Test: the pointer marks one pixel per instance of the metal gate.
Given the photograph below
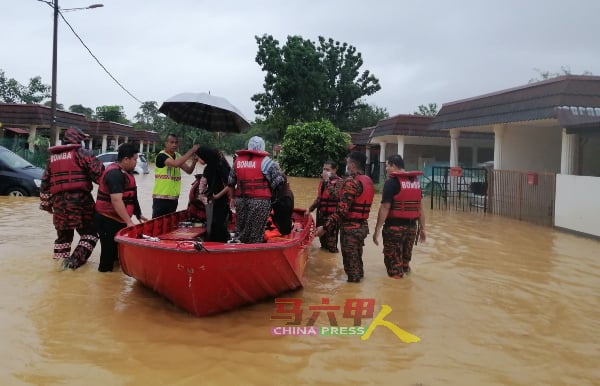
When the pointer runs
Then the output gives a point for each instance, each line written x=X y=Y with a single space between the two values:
x=457 y=188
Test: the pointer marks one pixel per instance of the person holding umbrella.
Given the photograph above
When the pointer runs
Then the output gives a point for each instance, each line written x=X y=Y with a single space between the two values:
x=167 y=174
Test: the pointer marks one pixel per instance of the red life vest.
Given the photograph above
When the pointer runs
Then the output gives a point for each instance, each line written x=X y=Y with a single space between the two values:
x=103 y=203
x=66 y=174
x=406 y=204
x=196 y=208
x=250 y=180
x=327 y=203
x=361 y=206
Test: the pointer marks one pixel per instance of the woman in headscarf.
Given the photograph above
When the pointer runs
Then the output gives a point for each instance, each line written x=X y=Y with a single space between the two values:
x=254 y=177
x=216 y=172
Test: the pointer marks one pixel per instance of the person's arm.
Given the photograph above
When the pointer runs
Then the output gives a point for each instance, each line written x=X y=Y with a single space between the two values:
x=181 y=162
x=384 y=210
x=116 y=199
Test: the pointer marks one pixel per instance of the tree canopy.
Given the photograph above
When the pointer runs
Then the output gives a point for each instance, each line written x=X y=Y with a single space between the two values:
x=12 y=91
x=430 y=110
x=307 y=81
x=308 y=145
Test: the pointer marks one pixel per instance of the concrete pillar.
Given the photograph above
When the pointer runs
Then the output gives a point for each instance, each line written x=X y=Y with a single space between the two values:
x=141 y=146
x=382 y=157
x=104 y=143
x=569 y=153
x=400 y=139
x=91 y=143
x=368 y=170
x=498 y=140
x=125 y=139
x=474 y=160
x=31 y=139
x=454 y=135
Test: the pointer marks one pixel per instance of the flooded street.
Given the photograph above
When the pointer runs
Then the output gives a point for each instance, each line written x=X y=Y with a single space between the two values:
x=494 y=302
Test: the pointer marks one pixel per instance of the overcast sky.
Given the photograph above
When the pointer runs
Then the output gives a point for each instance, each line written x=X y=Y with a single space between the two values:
x=421 y=51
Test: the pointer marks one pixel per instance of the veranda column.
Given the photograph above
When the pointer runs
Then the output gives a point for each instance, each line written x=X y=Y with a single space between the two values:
x=368 y=170
x=91 y=143
x=568 y=155
x=116 y=143
x=31 y=139
x=141 y=146
x=454 y=135
x=498 y=140
x=104 y=143
x=400 y=140
x=382 y=157
x=474 y=160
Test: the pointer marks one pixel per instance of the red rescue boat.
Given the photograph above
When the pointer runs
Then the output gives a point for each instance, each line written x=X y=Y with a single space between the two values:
x=168 y=255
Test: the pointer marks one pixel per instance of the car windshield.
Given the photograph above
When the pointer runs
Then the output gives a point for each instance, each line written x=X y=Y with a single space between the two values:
x=108 y=157
x=11 y=159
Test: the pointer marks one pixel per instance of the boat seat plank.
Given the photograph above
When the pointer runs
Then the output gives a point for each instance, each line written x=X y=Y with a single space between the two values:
x=188 y=233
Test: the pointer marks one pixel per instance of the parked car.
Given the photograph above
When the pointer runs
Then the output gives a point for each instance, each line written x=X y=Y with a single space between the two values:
x=18 y=177
x=140 y=168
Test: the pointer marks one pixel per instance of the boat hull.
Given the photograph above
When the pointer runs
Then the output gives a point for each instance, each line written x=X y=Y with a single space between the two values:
x=206 y=278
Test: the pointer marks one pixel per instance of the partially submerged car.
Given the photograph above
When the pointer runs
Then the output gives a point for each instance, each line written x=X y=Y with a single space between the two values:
x=18 y=177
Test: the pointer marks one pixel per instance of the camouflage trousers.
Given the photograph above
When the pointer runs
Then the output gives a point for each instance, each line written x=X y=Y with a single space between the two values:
x=398 y=242
x=87 y=242
x=352 y=240
x=329 y=240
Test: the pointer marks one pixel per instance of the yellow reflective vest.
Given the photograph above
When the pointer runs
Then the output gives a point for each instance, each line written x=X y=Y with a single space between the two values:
x=167 y=181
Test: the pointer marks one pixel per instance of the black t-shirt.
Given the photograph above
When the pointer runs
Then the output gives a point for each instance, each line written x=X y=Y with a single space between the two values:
x=391 y=187
x=116 y=181
x=161 y=158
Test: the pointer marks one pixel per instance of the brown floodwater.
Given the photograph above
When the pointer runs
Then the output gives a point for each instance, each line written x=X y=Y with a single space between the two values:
x=493 y=301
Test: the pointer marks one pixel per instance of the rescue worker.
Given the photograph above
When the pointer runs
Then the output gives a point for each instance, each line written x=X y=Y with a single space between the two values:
x=116 y=202
x=65 y=192
x=401 y=216
x=167 y=176
x=253 y=178
x=326 y=204
x=356 y=196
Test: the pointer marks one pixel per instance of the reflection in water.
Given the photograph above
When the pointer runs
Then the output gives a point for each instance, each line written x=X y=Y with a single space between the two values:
x=494 y=301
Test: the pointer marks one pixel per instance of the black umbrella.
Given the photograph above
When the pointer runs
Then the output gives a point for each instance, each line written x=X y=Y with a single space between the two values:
x=204 y=111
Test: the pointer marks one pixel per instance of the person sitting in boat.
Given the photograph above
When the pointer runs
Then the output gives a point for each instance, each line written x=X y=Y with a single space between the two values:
x=218 y=213
x=197 y=200
x=252 y=181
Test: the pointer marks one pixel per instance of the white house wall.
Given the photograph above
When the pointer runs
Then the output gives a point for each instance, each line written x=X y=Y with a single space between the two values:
x=576 y=206
x=531 y=149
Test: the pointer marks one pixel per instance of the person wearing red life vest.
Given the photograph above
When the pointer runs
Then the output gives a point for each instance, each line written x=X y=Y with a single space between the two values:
x=116 y=202
x=328 y=195
x=401 y=217
x=66 y=192
x=197 y=199
x=252 y=179
x=351 y=215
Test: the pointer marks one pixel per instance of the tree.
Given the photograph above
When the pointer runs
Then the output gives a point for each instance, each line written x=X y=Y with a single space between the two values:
x=430 y=110
x=80 y=109
x=112 y=114
x=363 y=116
x=307 y=146
x=543 y=75
x=59 y=106
x=148 y=114
x=307 y=82
x=12 y=91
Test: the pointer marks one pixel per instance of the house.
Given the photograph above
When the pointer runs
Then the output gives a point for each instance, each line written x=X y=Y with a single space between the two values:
x=33 y=120
x=548 y=133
